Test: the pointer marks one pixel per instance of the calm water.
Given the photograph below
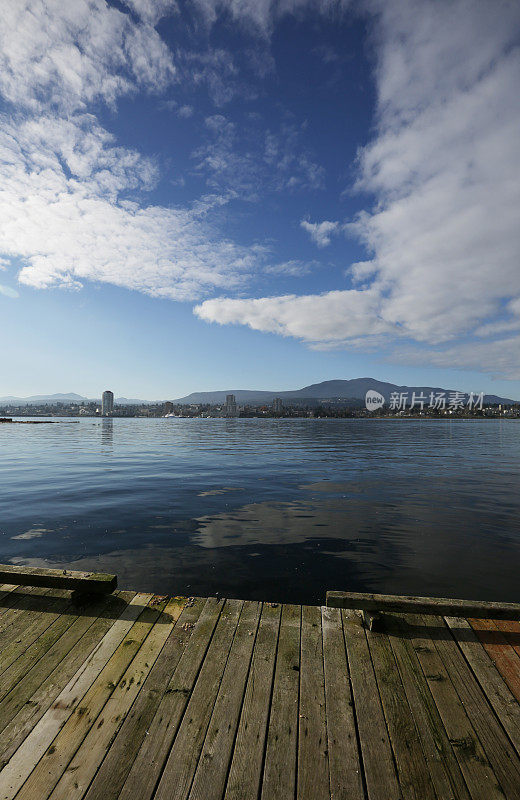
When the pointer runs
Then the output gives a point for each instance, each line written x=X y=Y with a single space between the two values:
x=268 y=509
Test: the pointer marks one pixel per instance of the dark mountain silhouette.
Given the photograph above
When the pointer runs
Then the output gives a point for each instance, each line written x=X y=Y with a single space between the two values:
x=337 y=390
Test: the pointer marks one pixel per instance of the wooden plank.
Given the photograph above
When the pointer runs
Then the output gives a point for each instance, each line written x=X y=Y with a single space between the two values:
x=81 y=769
x=496 y=690
x=147 y=767
x=279 y=779
x=313 y=762
x=245 y=773
x=22 y=709
x=31 y=638
x=6 y=590
x=28 y=604
x=412 y=768
x=499 y=751
x=346 y=782
x=114 y=770
x=22 y=660
x=474 y=764
x=30 y=670
x=210 y=776
x=443 y=765
x=61 y=749
x=511 y=632
x=378 y=763
x=58 y=578
x=182 y=761
x=441 y=606
x=36 y=743
x=501 y=651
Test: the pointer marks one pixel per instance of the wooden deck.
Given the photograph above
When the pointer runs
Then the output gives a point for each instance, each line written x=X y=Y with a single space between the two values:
x=136 y=696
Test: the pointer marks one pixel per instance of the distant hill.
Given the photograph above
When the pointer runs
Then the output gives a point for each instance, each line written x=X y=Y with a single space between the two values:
x=70 y=397
x=338 y=390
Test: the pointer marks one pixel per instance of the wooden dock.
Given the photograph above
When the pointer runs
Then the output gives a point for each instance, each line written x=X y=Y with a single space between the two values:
x=135 y=696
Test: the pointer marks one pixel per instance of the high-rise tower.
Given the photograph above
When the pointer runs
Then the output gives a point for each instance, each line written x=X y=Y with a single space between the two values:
x=107 y=403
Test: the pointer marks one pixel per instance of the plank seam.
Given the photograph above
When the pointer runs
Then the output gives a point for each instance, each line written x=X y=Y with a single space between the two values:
x=112 y=740
x=354 y=711
x=264 y=749
x=475 y=674
x=183 y=713
x=242 y=700
x=470 y=723
x=210 y=716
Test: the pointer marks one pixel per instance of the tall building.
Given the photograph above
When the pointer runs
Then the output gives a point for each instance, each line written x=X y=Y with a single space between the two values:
x=277 y=405
x=231 y=405
x=107 y=403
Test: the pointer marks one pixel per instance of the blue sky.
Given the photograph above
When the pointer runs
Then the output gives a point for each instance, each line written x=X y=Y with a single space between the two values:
x=245 y=194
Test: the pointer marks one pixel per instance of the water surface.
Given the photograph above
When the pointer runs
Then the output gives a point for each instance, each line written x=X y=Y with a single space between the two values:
x=269 y=509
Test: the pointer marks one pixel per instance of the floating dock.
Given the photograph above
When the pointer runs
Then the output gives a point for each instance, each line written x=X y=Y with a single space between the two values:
x=137 y=696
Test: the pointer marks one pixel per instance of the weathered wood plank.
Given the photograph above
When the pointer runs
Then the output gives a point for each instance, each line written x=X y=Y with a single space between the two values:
x=210 y=776
x=412 y=768
x=147 y=767
x=21 y=710
x=313 y=762
x=378 y=763
x=114 y=770
x=501 y=651
x=474 y=764
x=279 y=779
x=444 y=768
x=22 y=660
x=346 y=782
x=5 y=591
x=441 y=606
x=58 y=754
x=496 y=690
x=499 y=751
x=29 y=604
x=36 y=743
x=245 y=773
x=182 y=761
x=30 y=639
x=511 y=632
x=58 y=578
x=82 y=767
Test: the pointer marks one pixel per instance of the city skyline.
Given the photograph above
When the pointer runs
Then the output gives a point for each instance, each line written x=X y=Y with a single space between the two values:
x=240 y=194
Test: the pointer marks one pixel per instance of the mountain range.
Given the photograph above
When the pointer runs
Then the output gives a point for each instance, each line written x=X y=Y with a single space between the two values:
x=337 y=390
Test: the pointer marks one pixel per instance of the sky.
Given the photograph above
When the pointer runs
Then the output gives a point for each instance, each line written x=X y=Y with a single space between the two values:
x=222 y=194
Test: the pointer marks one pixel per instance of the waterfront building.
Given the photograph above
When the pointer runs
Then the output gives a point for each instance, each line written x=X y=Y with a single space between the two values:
x=231 y=405
x=107 y=403
x=277 y=405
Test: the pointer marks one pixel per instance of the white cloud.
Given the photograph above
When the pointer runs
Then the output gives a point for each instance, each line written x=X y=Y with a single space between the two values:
x=320 y=232
x=231 y=163
x=443 y=235
x=8 y=291
x=294 y=268
x=73 y=203
x=152 y=11
x=500 y=358
x=69 y=54
x=67 y=211
x=185 y=112
x=325 y=317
